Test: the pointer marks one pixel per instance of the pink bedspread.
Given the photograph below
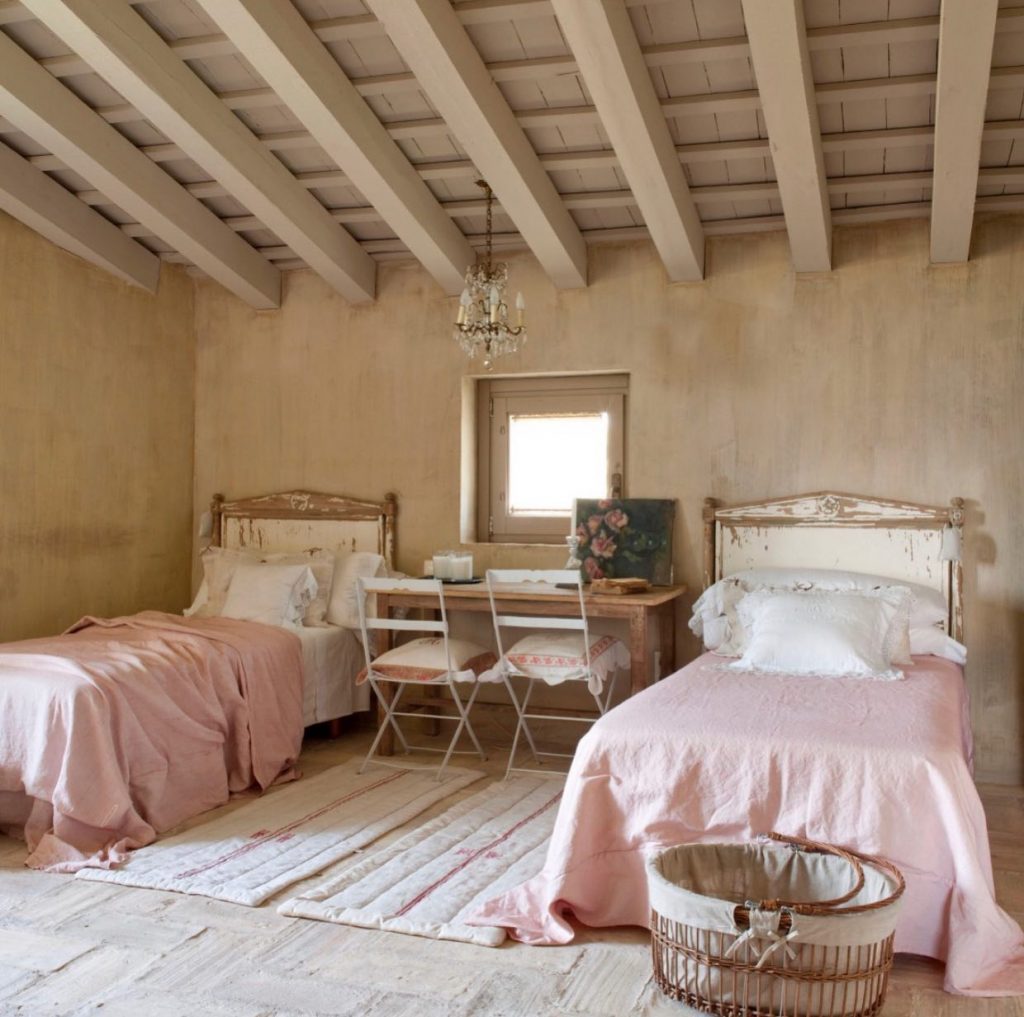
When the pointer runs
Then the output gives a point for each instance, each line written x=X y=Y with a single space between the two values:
x=710 y=755
x=123 y=728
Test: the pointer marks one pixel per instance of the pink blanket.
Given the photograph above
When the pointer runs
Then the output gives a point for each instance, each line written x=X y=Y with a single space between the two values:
x=123 y=728
x=710 y=755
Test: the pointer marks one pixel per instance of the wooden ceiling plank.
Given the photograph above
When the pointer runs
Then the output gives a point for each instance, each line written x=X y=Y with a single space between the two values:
x=133 y=58
x=276 y=38
x=437 y=49
x=31 y=197
x=966 y=37
x=600 y=35
x=782 y=64
x=59 y=120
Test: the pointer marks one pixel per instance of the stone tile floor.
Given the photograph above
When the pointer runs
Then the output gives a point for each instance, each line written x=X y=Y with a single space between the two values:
x=70 y=947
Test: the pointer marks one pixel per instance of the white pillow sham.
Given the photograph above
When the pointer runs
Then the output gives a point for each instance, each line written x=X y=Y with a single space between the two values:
x=220 y=563
x=824 y=632
x=271 y=594
x=720 y=601
x=343 y=608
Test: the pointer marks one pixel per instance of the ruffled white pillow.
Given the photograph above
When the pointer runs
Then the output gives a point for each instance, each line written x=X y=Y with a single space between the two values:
x=837 y=634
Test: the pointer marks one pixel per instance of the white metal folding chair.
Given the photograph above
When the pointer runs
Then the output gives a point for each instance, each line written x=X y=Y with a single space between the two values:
x=447 y=678
x=512 y=665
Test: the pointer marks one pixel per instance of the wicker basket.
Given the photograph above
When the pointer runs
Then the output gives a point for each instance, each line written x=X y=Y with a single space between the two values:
x=771 y=929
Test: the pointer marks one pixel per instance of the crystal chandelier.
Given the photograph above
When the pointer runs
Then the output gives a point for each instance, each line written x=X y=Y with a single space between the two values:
x=482 y=327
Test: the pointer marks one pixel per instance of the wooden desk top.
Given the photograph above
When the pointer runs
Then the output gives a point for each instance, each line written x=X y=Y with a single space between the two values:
x=655 y=597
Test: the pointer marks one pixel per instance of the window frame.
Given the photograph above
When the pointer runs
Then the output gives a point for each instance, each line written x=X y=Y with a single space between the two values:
x=497 y=399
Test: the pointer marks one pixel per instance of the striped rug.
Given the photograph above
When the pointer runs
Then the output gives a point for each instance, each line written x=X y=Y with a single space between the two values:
x=427 y=883
x=287 y=835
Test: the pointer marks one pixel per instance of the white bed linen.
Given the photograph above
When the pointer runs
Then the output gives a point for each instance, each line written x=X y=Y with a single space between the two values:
x=331 y=659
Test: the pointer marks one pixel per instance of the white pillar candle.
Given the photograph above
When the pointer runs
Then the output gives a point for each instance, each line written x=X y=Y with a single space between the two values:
x=462 y=566
x=443 y=565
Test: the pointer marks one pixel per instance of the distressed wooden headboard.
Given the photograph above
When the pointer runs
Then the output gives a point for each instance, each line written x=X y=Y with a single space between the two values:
x=297 y=520
x=831 y=530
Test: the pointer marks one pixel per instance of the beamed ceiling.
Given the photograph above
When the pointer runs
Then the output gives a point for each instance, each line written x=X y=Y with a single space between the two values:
x=247 y=137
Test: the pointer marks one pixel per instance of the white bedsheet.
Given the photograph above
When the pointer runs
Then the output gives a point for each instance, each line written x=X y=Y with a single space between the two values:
x=331 y=659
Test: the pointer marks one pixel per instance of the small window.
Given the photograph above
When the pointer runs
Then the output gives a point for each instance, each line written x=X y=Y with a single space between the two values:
x=543 y=443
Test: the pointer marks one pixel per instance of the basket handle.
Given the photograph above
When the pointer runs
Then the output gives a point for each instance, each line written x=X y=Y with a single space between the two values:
x=819 y=906
x=855 y=858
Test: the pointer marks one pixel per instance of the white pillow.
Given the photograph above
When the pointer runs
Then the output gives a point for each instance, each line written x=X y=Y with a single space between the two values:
x=202 y=595
x=321 y=564
x=271 y=594
x=819 y=632
x=424 y=660
x=934 y=641
x=343 y=608
x=219 y=564
x=927 y=608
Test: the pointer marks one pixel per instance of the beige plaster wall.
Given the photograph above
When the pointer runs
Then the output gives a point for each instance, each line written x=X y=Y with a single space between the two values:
x=96 y=418
x=886 y=377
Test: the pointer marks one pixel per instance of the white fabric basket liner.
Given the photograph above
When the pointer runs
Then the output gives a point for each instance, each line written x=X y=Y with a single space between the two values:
x=701 y=885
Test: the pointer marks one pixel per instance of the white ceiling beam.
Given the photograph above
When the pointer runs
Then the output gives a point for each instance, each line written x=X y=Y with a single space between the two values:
x=782 y=67
x=600 y=35
x=363 y=26
x=130 y=55
x=966 y=37
x=434 y=44
x=44 y=206
x=55 y=117
x=276 y=39
x=704 y=104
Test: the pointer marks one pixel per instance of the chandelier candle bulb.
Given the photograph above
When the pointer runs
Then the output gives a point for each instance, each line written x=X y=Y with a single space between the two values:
x=520 y=307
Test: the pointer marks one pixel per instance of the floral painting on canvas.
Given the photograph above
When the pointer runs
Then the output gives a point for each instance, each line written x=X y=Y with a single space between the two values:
x=625 y=538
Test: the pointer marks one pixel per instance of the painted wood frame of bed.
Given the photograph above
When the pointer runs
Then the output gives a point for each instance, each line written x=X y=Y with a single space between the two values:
x=831 y=530
x=297 y=520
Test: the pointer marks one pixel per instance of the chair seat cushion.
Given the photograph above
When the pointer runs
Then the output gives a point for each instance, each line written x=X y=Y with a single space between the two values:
x=556 y=657
x=424 y=660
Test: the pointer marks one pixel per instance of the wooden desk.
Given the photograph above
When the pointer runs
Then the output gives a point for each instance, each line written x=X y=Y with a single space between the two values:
x=637 y=608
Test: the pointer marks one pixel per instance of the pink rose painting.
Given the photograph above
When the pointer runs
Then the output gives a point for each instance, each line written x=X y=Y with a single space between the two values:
x=616 y=519
x=626 y=538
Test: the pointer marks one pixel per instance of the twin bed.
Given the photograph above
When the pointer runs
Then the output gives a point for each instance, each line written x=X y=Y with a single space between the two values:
x=122 y=728
x=713 y=753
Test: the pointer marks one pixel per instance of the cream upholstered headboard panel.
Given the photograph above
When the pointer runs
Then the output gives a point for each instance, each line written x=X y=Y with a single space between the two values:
x=297 y=520
x=829 y=530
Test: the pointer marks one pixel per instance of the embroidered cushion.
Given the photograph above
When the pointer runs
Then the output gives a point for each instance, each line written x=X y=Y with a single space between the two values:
x=556 y=657
x=424 y=660
x=853 y=633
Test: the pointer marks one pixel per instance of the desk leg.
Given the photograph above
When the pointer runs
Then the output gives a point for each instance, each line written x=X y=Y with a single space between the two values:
x=383 y=644
x=638 y=650
x=667 y=638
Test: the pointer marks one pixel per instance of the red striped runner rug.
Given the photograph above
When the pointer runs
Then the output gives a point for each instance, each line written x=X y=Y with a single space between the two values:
x=290 y=833
x=427 y=883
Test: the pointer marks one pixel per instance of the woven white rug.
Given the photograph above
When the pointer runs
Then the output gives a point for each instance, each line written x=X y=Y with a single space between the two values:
x=253 y=852
x=426 y=883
